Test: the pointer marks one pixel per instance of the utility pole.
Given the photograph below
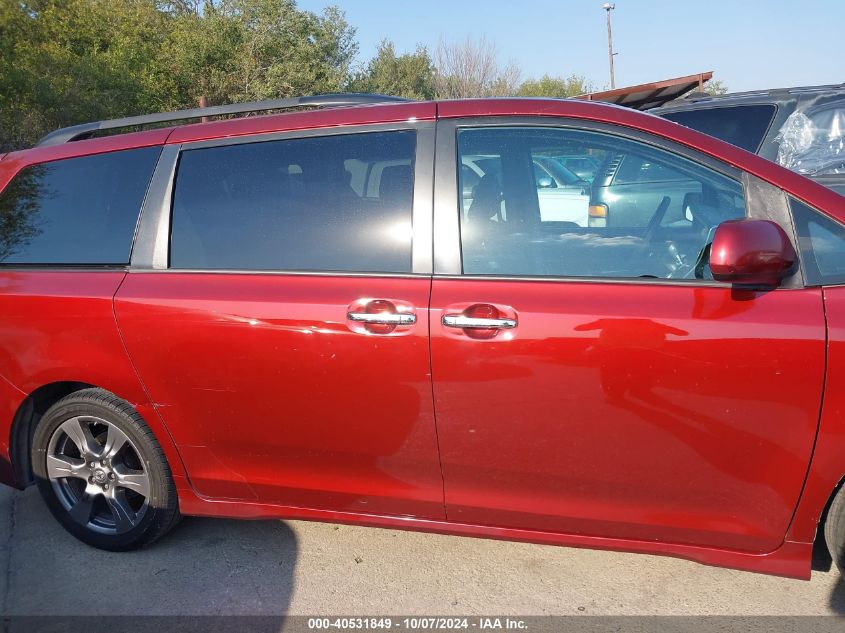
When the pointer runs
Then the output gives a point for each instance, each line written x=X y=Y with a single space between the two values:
x=608 y=7
x=203 y=103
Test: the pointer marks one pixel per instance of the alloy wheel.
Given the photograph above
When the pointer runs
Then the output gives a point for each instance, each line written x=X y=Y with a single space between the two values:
x=97 y=475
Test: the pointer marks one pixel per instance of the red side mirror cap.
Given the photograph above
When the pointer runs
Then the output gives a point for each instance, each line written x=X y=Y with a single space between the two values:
x=749 y=251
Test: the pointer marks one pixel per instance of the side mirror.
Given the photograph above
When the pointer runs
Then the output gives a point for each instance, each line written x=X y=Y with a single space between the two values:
x=754 y=252
x=544 y=182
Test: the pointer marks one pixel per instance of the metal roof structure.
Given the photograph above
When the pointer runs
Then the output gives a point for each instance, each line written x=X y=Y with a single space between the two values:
x=651 y=95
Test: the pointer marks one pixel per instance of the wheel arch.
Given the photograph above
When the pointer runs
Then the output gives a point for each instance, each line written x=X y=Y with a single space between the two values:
x=26 y=418
x=825 y=478
x=40 y=399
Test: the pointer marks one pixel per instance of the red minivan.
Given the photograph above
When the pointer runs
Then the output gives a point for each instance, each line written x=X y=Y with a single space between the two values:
x=371 y=311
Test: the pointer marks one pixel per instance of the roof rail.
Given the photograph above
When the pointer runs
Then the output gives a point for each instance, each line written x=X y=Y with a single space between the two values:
x=86 y=130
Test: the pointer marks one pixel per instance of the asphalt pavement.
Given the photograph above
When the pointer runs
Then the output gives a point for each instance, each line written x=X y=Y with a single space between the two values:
x=273 y=568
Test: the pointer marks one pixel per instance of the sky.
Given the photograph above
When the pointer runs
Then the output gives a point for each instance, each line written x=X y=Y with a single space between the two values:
x=748 y=44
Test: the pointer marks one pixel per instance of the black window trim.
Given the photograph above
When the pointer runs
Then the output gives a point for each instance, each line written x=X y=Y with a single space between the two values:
x=765 y=201
x=151 y=253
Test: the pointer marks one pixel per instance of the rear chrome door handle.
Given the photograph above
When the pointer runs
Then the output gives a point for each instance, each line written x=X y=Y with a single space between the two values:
x=382 y=318
x=479 y=323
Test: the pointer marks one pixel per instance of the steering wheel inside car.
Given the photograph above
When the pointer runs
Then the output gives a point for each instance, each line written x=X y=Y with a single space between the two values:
x=650 y=233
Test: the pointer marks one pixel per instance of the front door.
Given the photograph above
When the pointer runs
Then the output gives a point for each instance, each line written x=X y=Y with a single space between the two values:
x=286 y=343
x=596 y=380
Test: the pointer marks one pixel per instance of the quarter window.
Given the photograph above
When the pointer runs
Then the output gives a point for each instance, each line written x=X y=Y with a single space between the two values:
x=647 y=213
x=822 y=243
x=327 y=203
x=743 y=126
x=77 y=211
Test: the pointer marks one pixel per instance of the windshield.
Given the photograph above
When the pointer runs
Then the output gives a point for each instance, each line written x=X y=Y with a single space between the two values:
x=561 y=174
x=743 y=126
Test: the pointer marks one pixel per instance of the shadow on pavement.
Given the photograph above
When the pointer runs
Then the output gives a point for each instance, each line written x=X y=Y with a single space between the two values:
x=837 y=597
x=203 y=567
x=822 y=561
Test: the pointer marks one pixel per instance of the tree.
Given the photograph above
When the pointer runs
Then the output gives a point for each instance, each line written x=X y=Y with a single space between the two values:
x=67 y=61
x=409 y=75
x=180 y=6
x=715 y=87
x=471 y=68
x=246 y=50
x=548 y=86
x=64 y=62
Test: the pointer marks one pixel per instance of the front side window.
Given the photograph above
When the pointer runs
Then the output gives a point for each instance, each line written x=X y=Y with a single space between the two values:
x=76 y=211
x=648 y=213
x=326 y=203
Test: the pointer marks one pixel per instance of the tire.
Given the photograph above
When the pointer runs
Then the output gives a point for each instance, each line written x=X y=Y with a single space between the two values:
x=102 y=473
x=834 y=530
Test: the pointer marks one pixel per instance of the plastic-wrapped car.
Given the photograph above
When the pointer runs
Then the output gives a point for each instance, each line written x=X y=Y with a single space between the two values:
x=802 y=129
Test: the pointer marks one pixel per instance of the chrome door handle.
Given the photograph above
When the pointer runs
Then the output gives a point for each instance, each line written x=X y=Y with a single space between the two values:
x=382 y=318
x=477 y=323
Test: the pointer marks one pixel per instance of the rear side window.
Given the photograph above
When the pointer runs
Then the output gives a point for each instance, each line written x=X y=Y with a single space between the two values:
x=822 y=242
x=328 y=203
x=743 y=126
x=77 y=211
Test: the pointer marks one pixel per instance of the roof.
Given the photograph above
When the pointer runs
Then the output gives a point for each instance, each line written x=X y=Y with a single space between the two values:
x=651 y=95
x=288 y=121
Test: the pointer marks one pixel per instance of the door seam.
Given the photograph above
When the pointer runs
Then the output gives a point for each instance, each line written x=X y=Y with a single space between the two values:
x=818 y=422
x=434 y=402
x=141 y=380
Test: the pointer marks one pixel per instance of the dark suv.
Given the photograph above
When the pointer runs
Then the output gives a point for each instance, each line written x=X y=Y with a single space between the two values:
x=802 y=129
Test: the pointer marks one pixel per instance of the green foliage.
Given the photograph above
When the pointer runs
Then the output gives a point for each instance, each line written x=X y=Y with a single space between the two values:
x=409 y=75
x=64 y=62
x=67 y=61
x=548 y=86
x=246 y=50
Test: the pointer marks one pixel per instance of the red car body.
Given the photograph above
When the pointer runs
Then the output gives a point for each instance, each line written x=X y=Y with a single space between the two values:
x=725 y=449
